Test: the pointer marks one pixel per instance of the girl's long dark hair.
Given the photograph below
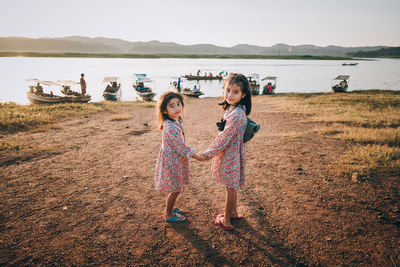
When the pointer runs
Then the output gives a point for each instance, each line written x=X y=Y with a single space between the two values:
x=162 y=106
x=243 y=83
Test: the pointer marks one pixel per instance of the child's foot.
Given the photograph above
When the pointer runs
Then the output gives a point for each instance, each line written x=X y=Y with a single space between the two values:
x=177 y=210
x=235 y=216
x=219 y=221
x=175 y=218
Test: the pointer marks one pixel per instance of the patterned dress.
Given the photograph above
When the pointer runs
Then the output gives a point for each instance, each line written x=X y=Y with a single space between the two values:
x=172 y=168
x=228 y=151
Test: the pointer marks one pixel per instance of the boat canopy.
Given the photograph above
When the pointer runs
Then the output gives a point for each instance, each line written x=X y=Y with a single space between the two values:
x=342 y=77
x=140 y=75
x=48 y=83
x=51 y=83
x=253 y=75
x=271 y=78
x=110 y=79
x=66 y=82
x=144 y=80
x=32 y=80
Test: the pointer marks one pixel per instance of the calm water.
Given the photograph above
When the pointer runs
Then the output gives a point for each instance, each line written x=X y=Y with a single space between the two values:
x=293 y=75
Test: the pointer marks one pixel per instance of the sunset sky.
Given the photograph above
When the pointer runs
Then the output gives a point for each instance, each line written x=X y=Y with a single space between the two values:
x=224 y=23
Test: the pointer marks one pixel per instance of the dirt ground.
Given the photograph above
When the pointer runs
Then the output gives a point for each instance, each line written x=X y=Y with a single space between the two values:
x=92 y=201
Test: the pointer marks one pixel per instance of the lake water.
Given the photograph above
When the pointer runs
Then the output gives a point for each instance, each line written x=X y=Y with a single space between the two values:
x=293 y=75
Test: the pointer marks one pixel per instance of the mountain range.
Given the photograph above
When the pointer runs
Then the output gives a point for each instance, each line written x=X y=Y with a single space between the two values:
x=79 y=44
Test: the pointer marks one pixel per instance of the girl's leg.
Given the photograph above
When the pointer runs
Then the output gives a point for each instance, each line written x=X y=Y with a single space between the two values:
x=230 y=204
x=170 y=202
x=234 y=207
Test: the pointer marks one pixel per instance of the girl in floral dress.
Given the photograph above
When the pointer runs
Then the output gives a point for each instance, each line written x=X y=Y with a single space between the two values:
x=172 y=168
x=228 y=150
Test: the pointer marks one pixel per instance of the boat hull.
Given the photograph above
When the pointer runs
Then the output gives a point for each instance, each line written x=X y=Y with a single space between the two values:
x=54 y=99
x=266 y=92
x=192 y=94
x=193 y=77
x=146 y=94
x=339 y=90
x=110 y=96
x=254 y=89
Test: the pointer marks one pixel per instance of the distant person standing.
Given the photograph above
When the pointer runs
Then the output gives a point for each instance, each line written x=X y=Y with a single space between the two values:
x=178 y=87
x=83 y=84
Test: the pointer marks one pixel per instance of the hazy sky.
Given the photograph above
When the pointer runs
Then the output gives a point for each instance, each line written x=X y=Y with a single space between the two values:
x=225 y=23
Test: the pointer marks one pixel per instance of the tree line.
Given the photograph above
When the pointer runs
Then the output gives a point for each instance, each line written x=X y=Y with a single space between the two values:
x=392 y=52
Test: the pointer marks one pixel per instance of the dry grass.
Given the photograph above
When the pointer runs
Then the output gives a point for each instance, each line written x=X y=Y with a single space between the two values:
x=121 y=117
x=14 y=117
x=370 y=161
x=361 y=135
x=288 y=135
x=369 y=119
x=11 y=152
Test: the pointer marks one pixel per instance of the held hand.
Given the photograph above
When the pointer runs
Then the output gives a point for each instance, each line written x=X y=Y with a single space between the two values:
x=199 y=157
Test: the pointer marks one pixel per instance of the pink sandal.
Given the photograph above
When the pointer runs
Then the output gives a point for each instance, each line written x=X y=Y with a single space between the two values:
x=220 y=224
x=233 y=218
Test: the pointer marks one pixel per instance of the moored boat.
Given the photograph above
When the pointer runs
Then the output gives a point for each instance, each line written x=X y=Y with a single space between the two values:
x=270 y=85
x=45 y=98
x=143 y=91
x=191 y=93
x=113 y=89
x=196 y=77
x=254 y=83
x=340 y=83
x=36 y=95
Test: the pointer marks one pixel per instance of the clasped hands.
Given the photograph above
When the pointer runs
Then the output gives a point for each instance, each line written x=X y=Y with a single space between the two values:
x=199 y=157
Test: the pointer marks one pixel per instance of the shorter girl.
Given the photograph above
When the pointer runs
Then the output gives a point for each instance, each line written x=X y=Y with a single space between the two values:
x=172 y=168
x=227 y=149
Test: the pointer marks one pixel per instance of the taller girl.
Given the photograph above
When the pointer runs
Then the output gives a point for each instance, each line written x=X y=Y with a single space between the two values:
x=227 y=149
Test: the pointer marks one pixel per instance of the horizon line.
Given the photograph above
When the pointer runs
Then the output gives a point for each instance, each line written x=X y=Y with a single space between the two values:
x=81 y=36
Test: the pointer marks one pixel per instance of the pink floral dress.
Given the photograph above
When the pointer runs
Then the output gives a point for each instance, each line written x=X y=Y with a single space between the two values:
x=228 y=151
x=172 y=168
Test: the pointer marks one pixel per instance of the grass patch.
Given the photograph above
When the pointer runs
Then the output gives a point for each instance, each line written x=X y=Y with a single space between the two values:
x=369 y=161
x=12 y=152
x=287 y=135
x=382 y=136
x=147 y=104
x=370 y=119
x=121 y=117
x=14 y=117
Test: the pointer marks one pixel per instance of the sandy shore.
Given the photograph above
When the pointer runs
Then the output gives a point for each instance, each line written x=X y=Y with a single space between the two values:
x=92 y=199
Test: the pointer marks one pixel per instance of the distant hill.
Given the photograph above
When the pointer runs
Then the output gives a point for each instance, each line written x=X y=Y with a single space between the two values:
x=393 y=52
x=78 y=44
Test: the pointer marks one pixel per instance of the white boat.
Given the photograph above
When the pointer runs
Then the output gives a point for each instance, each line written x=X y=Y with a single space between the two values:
x=340 y=83
x=113 y=89
x=254 y=83
x=36 y=94
x=270 y=85
x=142 y=88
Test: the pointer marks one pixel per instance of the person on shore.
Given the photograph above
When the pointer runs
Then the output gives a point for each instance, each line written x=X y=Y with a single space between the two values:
x=228 y=150
x=39 y=89
x=179 y=85
x=83 y=84
x=172 y=167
